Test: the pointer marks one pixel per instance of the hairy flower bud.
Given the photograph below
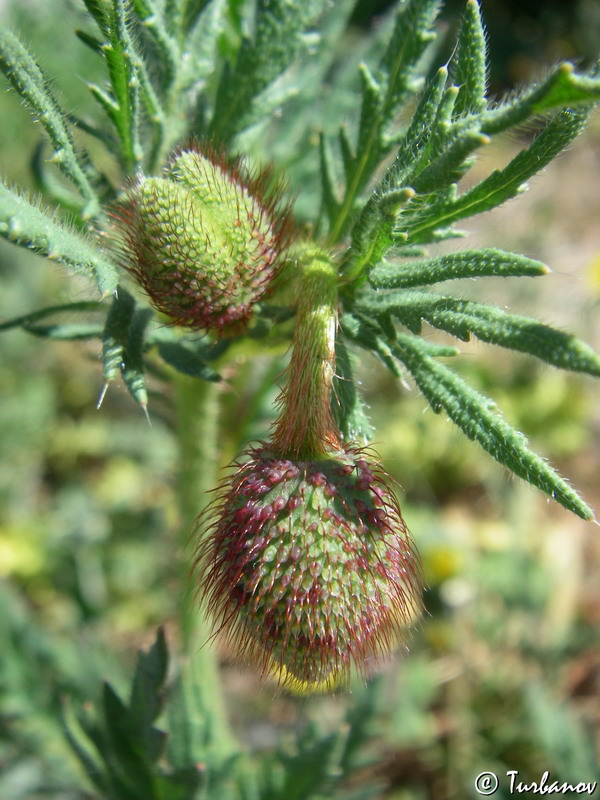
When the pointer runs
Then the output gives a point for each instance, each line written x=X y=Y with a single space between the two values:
x=205 y=240
x=309 y=566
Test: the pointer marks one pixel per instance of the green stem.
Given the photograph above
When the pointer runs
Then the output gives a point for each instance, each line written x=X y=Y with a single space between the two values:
x=306 y=427
x=198 y=415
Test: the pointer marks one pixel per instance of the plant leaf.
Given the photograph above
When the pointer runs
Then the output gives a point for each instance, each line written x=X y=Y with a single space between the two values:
x=25 y=75
x=347 y=405
x=502 y=184
x=30 y=226
x=463 y=264
x=278 y=39
x=469 y=66
x=475 y=415
x=132 y=369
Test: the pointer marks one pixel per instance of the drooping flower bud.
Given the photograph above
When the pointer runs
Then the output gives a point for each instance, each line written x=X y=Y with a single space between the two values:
x=205 y=240
x=309 y=566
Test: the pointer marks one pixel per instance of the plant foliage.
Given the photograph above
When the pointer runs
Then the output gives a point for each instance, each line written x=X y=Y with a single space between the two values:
x=236 y=73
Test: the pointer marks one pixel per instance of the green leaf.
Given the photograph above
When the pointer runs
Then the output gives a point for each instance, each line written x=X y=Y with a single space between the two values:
x=124 y=63
x=115 y=336
x=27 y=78
x=66 y=332
x=75 y=736
x=383 y=92
x=462 y=264
x=563 y=87
x=469 y=65
x=132 y=369
x=126 y=759
x=451 y=164
x=30 y=226
x=184 y=357
x=116 y=333
x=414 y=146
x=490 y=324
x=412 y=33
x=368 y=336
x=278 y=40
x=147 y=696
x=92 y=42
x=328 y=181
x=373 y=234
x=475 y=415
x=98 y=11
x=151 y=15
x=313 y=770
x=27 y=320
x=502 y=184
x=347 y=406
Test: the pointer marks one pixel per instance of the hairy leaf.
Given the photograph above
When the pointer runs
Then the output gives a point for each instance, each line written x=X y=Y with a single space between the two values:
x=487 y=262
x=469 y=65
x=465 y=317
x=278 y=39
x=30 y=226
x=476 y=416
x=23 y=72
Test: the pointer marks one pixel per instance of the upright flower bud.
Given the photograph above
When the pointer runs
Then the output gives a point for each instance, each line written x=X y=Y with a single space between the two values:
x=308 y=566
x=205 y=240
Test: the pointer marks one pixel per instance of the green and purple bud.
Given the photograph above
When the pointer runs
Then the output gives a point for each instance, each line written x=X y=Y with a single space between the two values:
x=309 y=567
x=206 y=240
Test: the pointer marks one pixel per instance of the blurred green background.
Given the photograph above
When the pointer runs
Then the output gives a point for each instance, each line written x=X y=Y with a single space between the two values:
x=503 y=670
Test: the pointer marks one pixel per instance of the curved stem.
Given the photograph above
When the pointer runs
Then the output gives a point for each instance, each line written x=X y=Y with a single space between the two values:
x=305 y=427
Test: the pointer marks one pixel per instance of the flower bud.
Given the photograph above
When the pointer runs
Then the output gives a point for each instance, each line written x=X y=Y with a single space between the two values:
x=205 y=240
x=309 y=566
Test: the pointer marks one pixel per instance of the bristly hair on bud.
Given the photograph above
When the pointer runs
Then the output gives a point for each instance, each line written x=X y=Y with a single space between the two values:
x=207 y=239
x=308 y=566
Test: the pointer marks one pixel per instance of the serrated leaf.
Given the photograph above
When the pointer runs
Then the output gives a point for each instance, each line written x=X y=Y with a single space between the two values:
x=124 y=63
x=30 y=226
x=562 y=88
x=413 y=32
x=490 y=324
x=27 y=78
x=502 y=184
x=278 y=39
x=132 y=369
x=116 y=333
x=487 y=262
x=476 y=417
x=469 y=66
x=383 y=92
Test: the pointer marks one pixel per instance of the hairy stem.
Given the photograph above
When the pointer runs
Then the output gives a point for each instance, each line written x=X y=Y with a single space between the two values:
x=198 y=412
x=306 y=427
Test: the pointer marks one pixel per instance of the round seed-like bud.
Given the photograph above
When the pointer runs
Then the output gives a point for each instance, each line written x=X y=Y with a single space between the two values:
x=309 y=566
x=205 y=240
